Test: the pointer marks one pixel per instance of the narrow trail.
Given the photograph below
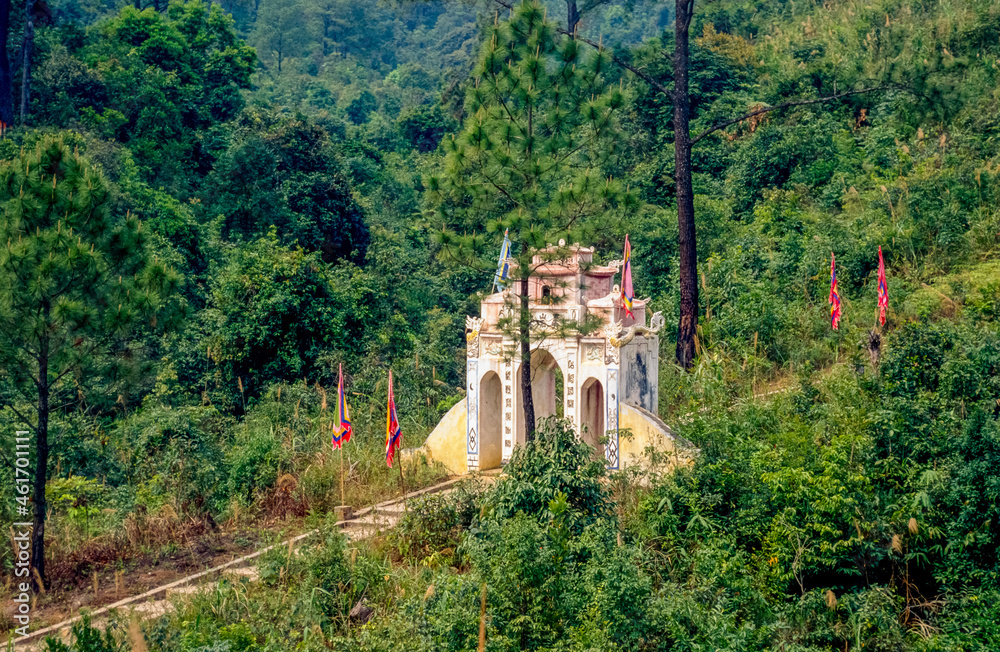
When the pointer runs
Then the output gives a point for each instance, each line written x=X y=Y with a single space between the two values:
x=366 y=523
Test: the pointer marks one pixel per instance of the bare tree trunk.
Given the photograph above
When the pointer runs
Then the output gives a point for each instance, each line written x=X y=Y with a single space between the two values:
x=6 y=82
x=688 y=326
x=524 y=333
x=279 y=50
x=572 y=16
x=29 y=44
x=41 y=457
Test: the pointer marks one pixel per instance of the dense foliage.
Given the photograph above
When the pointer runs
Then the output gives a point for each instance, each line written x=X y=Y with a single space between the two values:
x=292 y=164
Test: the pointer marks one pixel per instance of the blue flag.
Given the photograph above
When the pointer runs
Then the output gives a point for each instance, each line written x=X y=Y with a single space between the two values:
x=503 y=267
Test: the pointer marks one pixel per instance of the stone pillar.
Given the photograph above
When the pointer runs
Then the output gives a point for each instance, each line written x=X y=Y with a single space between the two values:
x=612 y=401
x=571 y=385
x=509 y=405
x=472 y=414
x=612 y=361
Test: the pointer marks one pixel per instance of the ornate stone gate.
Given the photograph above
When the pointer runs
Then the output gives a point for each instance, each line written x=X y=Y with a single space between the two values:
x=582 y=344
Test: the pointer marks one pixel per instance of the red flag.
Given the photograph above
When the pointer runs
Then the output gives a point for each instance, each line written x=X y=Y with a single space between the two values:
x=883 y=289
x=628 y=294
x=834 y=295
x=342 y=432
x=393 y=434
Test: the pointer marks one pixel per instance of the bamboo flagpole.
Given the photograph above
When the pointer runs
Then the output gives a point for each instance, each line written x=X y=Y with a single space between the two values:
x=343 y=501
x=402 y=483
x=835 y=309
x=394 y=438
x=343 y=431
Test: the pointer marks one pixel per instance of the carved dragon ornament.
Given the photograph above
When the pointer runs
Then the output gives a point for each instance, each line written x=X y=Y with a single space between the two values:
x=618 y=337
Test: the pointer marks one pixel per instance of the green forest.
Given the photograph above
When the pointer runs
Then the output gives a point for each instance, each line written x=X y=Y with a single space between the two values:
x=210 y=209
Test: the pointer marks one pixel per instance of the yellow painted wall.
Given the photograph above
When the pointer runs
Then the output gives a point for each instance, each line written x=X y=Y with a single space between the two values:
x=446 y=443
x=648 y=430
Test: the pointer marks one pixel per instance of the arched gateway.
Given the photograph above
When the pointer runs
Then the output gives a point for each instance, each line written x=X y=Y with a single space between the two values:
x=603 y=381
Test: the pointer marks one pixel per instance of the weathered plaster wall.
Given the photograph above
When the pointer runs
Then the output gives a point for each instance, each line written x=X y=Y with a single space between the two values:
x=490 y=421
x=592 y=411
x=640 y=383
x=649 y=430
x=446 y=443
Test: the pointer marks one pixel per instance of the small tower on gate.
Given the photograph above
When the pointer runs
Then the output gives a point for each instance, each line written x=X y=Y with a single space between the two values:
x=587 y=375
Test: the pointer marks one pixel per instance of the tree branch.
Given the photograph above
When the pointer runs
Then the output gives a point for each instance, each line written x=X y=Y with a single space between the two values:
x=689 y=11
x=21 y=417
x=663 y=89
x=621 y=62
x=785 y=105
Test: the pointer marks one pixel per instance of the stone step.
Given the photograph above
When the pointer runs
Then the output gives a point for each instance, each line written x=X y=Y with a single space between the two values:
x=186 y=589
x=381 y=526
x=249 y=572
x=152 y=608
x=362 y=532
x=396 y=508
x=382 y=520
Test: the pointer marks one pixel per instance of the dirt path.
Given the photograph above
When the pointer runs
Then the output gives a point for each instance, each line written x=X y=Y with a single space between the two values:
x=366 y=523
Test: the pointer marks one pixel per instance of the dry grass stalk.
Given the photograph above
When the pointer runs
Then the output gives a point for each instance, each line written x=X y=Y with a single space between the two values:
x=897 y=543
x=924 y=629
x=912 y=525
x=38 y=579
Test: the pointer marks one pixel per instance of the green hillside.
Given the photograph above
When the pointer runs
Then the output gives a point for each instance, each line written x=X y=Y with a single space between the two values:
x=209 y=208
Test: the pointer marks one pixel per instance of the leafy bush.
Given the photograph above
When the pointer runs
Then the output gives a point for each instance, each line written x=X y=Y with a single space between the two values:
x=555 y=462
x=433 y=525
x=177 y=451
x=85 y=637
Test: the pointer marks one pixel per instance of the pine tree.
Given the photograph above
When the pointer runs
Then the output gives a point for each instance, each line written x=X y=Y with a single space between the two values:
x=76 y=284
x=540 y=129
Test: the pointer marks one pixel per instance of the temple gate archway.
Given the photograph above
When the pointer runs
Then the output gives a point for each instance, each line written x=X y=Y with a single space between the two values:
x=592 y=414
x=490 y=415
x=547 y=389
x=594 y=376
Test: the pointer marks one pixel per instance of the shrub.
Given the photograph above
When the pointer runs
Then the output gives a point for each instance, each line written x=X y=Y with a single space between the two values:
x=555 y=461
x=433 y=525
x=84 y=637
x=254 y=460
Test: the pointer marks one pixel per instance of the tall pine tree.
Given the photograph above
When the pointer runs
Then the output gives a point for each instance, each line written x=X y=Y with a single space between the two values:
x=76 y=285
x=531 y=158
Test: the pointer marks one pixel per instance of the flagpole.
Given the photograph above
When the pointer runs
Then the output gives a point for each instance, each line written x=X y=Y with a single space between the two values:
x=402 y=482
x=388 y=434
x=836 y=358
x=340 y=422
x=342 y=500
